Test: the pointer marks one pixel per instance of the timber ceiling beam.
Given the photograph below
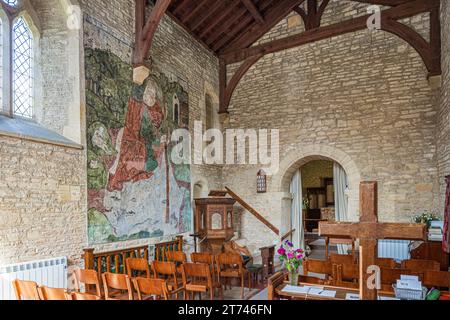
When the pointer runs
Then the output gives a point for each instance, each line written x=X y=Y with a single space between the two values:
x=430 y=51
x=312 y=16
x=145 y=32
x=279 y=11
x=251 y=7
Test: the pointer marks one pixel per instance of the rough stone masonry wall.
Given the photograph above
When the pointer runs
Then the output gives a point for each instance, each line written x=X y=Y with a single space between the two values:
x=174 y=52
x=444 y=112
x=361 y=94
x=42 y=187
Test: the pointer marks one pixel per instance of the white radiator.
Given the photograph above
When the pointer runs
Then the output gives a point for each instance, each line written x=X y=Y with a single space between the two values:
x=395 y=249
x=50 y=272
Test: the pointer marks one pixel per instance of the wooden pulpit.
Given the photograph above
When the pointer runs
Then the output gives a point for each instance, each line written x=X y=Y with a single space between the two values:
x=368 y=231
x=213 y=221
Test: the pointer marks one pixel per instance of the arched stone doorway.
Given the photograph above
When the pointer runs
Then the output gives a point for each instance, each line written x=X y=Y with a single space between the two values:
x=301 y=155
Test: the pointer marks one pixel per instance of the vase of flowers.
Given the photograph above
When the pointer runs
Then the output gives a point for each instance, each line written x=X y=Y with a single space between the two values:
x=292 y=259
x=426 y=218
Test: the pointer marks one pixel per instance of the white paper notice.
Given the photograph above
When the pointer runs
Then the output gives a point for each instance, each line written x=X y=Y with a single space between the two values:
x=387 y=298
x=409 y=278
x=295 y=289
x=322 y=293
x=352 y=296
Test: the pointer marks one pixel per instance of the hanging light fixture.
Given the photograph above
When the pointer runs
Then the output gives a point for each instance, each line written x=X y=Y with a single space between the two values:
x=261 y=182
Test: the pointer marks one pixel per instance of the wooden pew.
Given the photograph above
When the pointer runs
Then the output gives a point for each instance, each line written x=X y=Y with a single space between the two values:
x=274 y=282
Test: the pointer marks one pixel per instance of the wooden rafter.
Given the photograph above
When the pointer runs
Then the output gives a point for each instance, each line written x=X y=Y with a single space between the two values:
x=279 y=11
x=145 y=30
x=227 y=88
x=429 y=51
x=312 y=17
x=253 y=10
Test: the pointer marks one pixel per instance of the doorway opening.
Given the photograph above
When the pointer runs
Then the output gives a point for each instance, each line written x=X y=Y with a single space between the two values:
x=319 y=190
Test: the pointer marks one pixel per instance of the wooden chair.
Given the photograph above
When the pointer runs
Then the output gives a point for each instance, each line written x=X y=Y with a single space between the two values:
x=274 y=282
x=342 y=259
x=137 y=267
x=84 y=296
x=88 y=278
x=26 y=290
x=154 y=289
x=177 y=257
x=168 y=271
x=439 y=279
x=340 y=241
x=346 y=275
x=386 y=263
x=197 y=278
x=233 y=248
x=319 y=267
x=55 y=294
x=121 y=285
x=231 y=266
x=390 y=276
x=210 y=260
x=421 y=265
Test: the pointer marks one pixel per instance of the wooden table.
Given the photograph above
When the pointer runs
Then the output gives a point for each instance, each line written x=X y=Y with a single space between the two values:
x=341 y=293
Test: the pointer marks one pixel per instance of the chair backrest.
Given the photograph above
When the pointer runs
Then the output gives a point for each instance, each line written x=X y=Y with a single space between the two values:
x=57 y=294
x=440 y=279
x=84 y=296
x=118 y=282
x=317 y=266
x=26 y=290
x=176 y=256
x=342 y=259
x=196 y=271
x=421 y=265
x=153 y=287
x=164 y=268
x=89 y=278
x=386 y=263
x=390 y=276
x=273 y=282
x=229 y=261
x=346 y=272
x=207 y=258
x=138 y=266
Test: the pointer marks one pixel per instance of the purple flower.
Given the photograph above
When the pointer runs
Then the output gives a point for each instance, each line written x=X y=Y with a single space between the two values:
x=300 y=256
x=290 y=244
x=282 y=251
x=290 y=255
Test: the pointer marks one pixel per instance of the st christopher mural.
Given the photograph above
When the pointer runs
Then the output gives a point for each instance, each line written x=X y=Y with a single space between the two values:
x=134 y=190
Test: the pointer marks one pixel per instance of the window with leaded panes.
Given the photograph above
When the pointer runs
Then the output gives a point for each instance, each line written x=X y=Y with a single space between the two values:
x=16 y=62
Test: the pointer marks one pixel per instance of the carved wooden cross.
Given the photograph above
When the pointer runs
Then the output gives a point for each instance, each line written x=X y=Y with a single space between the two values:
x=368 y=231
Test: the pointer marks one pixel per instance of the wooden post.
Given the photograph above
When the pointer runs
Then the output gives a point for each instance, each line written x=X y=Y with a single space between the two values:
x=88 y=259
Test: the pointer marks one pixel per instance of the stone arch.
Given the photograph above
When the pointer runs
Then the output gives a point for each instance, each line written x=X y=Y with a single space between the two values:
x=301 y=155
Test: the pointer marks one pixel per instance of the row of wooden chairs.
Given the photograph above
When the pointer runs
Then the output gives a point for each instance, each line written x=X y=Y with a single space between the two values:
x=160 y=280
x=30 y=290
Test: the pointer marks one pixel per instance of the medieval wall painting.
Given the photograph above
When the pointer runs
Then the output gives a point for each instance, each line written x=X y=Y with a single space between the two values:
x=134 y=189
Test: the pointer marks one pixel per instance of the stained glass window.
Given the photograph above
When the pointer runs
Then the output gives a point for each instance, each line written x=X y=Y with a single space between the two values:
x=22 y=69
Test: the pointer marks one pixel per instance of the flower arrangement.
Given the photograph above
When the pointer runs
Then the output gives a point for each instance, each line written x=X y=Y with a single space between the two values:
x=292 y=259
x=426 y=218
